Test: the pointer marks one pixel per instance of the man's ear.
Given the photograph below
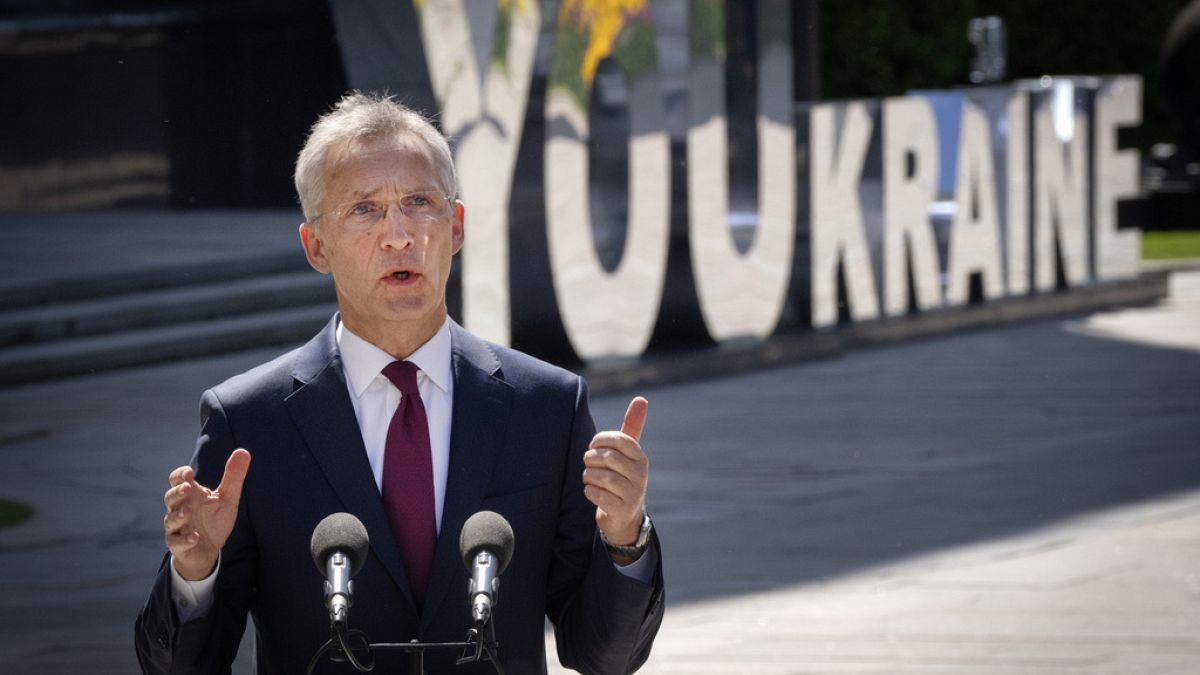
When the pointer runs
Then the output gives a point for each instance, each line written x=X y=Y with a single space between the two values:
x=313 y=249
x=456 y=225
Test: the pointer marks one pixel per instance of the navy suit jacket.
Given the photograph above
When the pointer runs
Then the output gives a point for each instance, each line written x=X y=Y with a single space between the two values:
x=519 y=431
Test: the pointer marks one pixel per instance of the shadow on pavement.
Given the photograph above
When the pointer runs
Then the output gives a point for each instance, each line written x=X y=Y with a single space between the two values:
x=803 y=474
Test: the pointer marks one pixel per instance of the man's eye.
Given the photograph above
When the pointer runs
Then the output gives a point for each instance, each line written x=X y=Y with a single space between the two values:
x=362 y=209
x=419 y=200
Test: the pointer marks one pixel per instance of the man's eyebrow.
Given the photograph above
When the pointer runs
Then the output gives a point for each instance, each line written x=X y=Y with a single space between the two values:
x=362 y=194
x=366 y=194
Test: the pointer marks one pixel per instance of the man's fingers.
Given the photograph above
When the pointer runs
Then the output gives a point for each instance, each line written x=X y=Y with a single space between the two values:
x=627 y=440
x=179 y=534
x=236 y=468
x=616 y=442
x=619 y=495
x=609 y=501
x=606 y=457
x=180 y=542
x=176 y=521
x=180 y=475
x=612 y=481
x=635 y=418
x=177 y=495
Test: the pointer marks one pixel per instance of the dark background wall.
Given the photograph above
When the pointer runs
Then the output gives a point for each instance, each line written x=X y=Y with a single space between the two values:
x=184 y=103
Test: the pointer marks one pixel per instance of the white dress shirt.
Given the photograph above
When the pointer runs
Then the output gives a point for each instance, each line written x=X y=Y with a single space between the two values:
x=375 y=400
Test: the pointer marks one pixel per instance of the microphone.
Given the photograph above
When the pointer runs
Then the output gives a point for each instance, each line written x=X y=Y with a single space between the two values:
x=486 y=545
x=339 y=548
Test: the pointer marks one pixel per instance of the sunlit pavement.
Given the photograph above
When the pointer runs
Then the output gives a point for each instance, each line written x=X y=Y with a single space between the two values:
x=1115 y=591
x=1021 y=499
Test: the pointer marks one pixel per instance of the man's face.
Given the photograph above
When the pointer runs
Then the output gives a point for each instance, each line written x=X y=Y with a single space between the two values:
x=387 y=232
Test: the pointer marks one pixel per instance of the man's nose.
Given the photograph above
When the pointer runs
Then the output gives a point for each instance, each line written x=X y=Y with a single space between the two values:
x=397 y=226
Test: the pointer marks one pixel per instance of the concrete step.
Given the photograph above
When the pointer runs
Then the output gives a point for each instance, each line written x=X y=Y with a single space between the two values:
x=67 y=287
x=75 y=356
x=67 y=320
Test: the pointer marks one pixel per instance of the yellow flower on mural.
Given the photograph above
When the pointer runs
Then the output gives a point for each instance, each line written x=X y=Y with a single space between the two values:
x=603 y=20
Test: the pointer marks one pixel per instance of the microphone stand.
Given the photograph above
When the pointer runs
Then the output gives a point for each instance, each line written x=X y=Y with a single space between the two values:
x=477 y=646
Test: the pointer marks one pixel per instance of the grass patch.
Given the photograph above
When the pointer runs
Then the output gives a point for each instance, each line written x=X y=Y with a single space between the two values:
x=12 y=513
x=1170 y=245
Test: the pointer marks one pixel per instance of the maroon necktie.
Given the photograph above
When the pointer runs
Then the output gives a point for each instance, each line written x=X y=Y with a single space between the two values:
x=408 y=479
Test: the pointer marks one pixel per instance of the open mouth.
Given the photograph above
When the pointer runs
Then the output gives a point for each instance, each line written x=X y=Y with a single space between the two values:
x=402 y=276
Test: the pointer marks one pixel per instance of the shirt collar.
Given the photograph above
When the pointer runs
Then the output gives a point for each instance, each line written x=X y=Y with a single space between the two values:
x=363 y=361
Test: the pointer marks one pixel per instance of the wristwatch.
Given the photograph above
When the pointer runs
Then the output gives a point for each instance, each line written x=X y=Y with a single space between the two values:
x=638 y=547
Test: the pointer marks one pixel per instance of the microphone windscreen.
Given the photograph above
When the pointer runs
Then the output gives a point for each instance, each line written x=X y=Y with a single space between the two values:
x=340 y=532
x=486 y=531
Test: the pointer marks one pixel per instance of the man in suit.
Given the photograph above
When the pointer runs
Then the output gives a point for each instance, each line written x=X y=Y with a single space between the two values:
x=397 y=415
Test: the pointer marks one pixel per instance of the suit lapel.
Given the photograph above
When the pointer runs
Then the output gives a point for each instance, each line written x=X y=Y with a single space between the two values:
x=321 y=410
x=482 y=402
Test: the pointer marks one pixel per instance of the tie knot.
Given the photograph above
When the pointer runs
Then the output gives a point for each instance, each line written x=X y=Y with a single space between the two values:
x=403 y=374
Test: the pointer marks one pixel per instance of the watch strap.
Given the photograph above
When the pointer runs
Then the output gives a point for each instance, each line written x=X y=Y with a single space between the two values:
x=638 y=547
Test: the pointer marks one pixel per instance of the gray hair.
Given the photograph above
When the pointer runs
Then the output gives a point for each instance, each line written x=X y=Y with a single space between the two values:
x=364 y=117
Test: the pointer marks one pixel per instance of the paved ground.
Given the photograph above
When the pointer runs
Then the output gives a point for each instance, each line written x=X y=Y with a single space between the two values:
x=1022 y=500
x=1018 y=500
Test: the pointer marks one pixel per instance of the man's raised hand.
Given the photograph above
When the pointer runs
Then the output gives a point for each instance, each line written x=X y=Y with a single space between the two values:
x=198 y=519
x=615 y=474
